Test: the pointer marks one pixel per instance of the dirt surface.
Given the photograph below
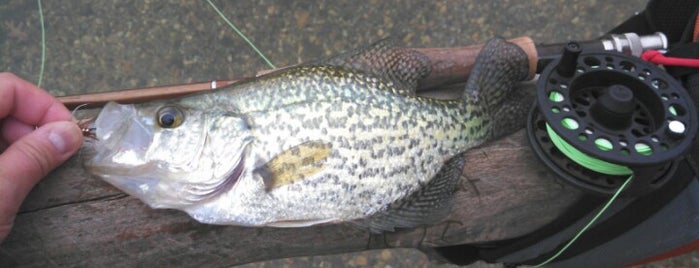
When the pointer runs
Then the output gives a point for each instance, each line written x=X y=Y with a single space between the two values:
x=104 y=45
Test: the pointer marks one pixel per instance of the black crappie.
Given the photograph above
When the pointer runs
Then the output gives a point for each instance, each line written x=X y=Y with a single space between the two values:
x=342 y=139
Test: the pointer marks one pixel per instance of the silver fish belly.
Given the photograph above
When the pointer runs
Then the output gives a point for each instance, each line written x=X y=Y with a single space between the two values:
x=343 y=139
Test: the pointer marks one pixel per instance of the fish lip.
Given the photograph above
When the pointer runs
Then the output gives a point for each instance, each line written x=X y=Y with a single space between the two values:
x=105 y=123
x=103 y=170
x=109 y=131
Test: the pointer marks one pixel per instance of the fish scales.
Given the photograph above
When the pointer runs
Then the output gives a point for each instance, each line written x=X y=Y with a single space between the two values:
x=345 y=139
x=275 y=117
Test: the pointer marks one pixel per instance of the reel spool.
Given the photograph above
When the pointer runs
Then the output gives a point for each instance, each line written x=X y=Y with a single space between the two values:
x=604 y=116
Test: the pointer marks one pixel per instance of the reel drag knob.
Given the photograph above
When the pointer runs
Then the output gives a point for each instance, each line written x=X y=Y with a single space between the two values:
x=614 y=109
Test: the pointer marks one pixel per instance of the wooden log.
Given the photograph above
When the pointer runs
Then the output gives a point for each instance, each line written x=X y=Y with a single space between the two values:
x=73 y=219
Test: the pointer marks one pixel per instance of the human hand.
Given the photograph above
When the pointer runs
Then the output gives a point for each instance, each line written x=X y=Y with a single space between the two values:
x=37 y=133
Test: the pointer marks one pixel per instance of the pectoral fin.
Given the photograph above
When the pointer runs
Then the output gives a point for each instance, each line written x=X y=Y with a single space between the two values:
x=295 y=164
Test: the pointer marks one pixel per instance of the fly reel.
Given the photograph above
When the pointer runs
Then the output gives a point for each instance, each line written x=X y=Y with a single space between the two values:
x=601 y=117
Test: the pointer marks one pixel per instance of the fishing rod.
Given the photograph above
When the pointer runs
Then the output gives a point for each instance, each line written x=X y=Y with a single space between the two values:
x=450 y=65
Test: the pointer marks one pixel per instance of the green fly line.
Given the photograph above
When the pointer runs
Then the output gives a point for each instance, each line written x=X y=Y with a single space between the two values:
x=585 y=160
x=589 y=224
x=591 y=163
x=269 y=63
x=43 y=44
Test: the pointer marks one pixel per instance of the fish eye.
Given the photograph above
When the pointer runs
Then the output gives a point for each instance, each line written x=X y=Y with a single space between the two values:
x=169 y=117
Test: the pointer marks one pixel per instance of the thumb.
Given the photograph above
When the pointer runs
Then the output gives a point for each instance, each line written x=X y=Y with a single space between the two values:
x=31 y=158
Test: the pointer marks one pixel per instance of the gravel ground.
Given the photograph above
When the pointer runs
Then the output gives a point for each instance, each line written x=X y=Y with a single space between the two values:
x=101 y=45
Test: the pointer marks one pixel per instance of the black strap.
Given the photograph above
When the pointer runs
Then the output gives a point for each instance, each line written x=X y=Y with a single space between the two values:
x=626 y=218
x=491 y=252
x=633 y=214
x=672 y=17
x=574 y=214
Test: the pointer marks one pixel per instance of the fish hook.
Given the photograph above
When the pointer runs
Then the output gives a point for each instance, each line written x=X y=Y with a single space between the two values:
x=84 y=124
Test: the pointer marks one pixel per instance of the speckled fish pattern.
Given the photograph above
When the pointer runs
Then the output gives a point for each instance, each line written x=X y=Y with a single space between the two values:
x=342 y=139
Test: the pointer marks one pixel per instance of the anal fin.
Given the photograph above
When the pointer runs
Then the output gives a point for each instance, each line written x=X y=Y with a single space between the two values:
x=427 y=206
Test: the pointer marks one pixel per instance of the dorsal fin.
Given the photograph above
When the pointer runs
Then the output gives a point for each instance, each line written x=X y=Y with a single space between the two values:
x=402 y=66
x=294 y=164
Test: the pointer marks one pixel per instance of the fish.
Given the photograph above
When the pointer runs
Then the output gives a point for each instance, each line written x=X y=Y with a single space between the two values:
x=343 y=139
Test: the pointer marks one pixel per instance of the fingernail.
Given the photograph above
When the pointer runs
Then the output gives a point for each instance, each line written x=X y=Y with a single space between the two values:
x=58 y=142
x=60 y=137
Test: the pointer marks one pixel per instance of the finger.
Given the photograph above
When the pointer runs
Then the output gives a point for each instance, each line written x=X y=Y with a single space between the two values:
x=29 y=159
x=13 y=129
x=28 y=103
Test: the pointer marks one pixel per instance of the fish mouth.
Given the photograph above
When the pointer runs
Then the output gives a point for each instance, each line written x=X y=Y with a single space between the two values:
x=127 y=154
x=167 y=191
x=119 y=139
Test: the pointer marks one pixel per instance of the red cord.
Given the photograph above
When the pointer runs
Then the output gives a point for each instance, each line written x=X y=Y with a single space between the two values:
x=656 y=57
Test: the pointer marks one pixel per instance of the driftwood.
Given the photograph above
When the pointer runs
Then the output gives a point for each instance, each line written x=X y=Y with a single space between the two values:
x=73 y=219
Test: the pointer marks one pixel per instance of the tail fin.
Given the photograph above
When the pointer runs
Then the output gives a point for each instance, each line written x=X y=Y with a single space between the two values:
x=499 y=66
